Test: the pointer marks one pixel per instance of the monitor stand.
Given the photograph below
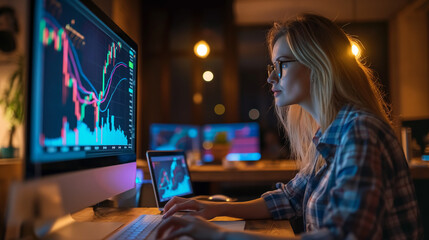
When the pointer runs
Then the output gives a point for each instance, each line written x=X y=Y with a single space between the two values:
x=67 y=228
x=37 y=212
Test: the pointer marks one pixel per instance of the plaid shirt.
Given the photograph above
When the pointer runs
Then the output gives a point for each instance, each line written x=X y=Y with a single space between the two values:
x=363 y=191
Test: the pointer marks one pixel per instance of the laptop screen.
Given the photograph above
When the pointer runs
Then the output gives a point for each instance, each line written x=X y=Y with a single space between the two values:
x=170 y=175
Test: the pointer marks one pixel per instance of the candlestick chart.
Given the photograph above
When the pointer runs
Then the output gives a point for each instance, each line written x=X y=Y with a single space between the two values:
x=88 y=86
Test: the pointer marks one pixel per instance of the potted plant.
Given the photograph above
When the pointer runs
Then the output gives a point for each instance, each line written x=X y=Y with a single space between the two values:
x=12 y=103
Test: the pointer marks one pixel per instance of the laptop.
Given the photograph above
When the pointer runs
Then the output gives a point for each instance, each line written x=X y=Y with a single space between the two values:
x=170 y=176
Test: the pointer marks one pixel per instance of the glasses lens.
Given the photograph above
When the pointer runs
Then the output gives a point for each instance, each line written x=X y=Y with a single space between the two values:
x=278 y=69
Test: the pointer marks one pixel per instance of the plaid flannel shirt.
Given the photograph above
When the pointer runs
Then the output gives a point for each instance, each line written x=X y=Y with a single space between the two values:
x=363 y=191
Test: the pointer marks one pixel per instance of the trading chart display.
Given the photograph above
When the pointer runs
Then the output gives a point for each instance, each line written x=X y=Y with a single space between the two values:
x=242 y=140
x=86 y=74
x=174 y=137
x=171 y=177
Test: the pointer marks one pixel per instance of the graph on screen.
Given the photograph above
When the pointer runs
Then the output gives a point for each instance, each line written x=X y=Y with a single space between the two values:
x=88 y=83
x=172 y=177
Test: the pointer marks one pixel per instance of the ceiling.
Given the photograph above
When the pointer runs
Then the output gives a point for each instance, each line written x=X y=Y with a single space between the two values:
x=260 y=12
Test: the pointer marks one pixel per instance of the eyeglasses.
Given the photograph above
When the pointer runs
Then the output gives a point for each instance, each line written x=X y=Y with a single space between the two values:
x=277 y=66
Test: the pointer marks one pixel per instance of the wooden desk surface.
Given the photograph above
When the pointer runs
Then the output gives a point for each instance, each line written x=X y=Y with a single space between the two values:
x=282 y=170
x=273 y=227
x=245 y=173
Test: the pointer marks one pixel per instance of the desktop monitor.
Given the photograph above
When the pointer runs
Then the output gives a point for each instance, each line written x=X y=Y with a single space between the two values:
x=81 y=104
x=242 y=139
x=165 y=137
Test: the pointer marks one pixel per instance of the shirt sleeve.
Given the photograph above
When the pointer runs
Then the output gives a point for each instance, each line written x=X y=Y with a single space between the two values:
x=355 y=208
x=286 y=201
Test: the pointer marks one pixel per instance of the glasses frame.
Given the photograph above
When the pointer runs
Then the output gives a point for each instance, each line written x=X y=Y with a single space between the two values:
x=277 y=67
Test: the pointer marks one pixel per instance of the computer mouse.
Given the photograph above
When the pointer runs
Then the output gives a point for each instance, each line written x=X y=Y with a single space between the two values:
x=220 y=198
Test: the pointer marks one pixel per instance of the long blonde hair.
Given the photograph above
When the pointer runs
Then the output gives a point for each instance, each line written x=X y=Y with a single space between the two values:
x=337 y=78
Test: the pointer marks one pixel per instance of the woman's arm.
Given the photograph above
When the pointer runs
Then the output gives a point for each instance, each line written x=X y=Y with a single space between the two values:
x=199 y=228
x=282 y=203
x=249 y=235
x=254 y=209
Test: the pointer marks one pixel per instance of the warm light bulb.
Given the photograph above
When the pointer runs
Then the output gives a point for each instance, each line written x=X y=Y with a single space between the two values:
x=201 y=49
x=208 y=76
x=355 y=49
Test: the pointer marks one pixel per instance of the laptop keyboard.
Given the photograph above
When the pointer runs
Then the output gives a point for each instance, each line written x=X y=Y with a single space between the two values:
x=140 y=228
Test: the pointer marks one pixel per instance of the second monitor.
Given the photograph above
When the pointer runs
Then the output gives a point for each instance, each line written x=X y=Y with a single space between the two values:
x=241 y=141
x=166 y=137
x=232 y=141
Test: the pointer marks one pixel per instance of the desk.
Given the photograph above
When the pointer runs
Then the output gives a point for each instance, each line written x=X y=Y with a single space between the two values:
x=273 y=227
x=247 y=174
x=251 y=173
x=282 y=170
x=10 y=171
x=262 y=171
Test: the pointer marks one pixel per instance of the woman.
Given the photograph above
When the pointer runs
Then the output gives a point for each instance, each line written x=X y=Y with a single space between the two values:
x=354 y=182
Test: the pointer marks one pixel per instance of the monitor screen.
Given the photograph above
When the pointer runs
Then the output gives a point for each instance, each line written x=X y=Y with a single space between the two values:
x=82 y=90
x=174 y=137
x=171 y=176
x=80 y=116
x=242 y=140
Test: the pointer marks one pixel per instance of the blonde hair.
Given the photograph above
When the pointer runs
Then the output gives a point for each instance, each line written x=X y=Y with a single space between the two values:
x=337 y=78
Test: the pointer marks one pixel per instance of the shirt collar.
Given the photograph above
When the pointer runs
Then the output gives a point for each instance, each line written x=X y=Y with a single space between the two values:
x=327 y=142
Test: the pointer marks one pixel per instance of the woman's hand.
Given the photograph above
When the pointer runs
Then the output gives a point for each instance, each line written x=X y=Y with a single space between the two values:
x=204 y=209
x=192 y=226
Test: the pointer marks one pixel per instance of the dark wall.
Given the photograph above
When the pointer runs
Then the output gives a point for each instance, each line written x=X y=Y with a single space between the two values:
x=173 y=74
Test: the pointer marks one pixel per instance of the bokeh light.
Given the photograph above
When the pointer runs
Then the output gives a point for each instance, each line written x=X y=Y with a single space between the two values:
x=254 y=114
x=219 y=109
x=201 y=49
x=198 y=98
x=208 y=76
